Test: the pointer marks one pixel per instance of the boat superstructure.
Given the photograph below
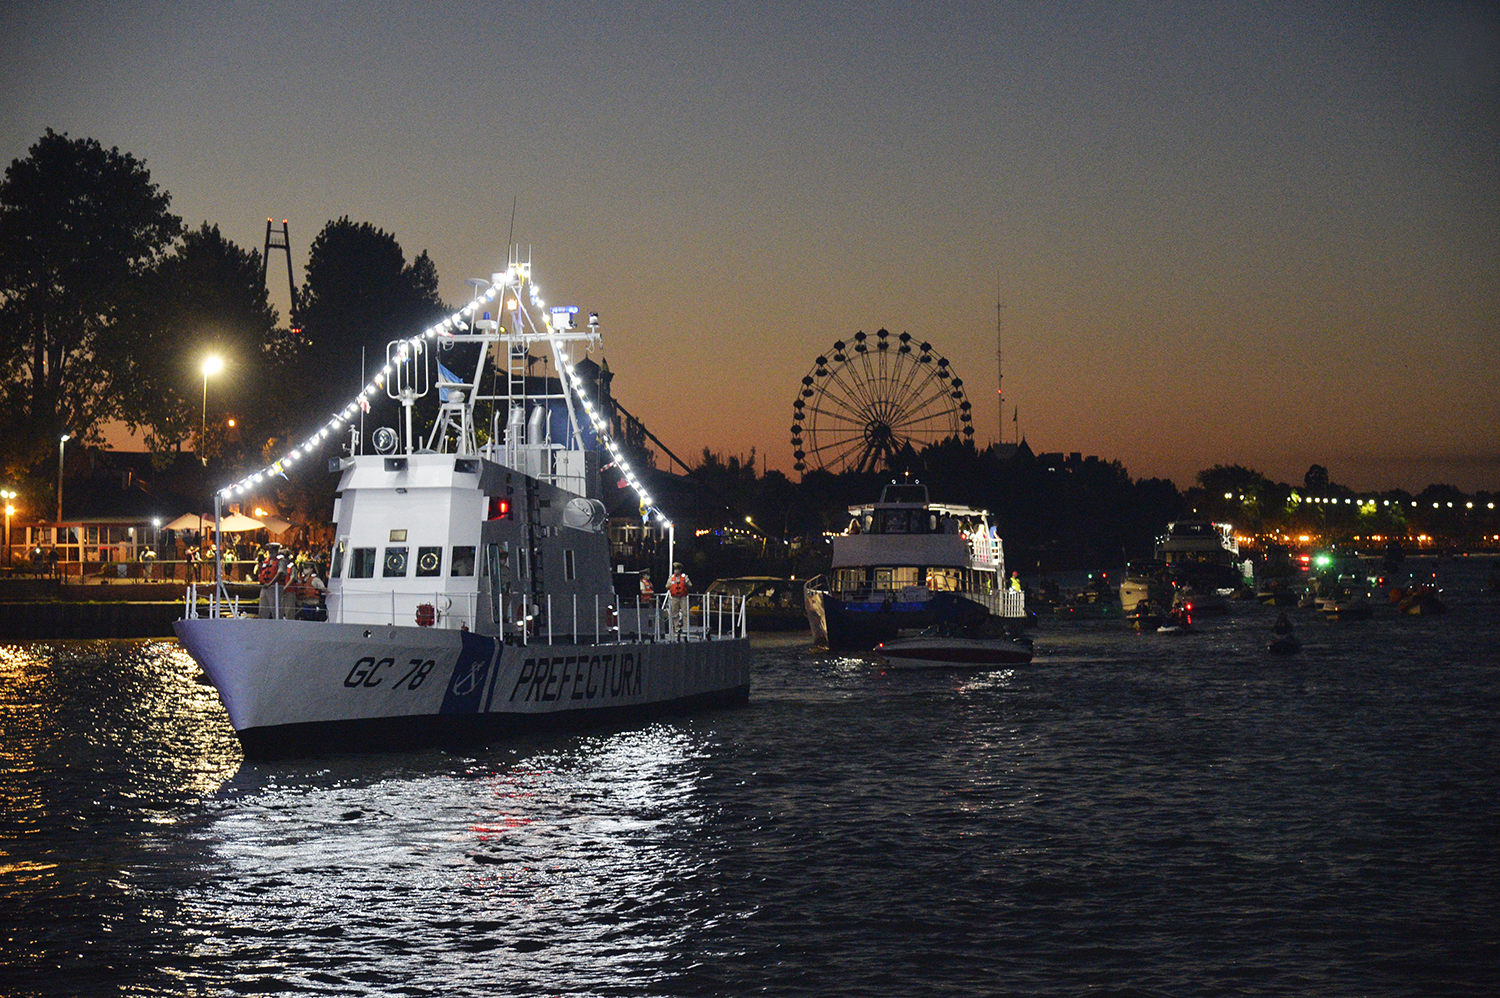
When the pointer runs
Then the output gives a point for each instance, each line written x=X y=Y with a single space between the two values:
x=1196 y=561
x=469 y=591
x=906 y=563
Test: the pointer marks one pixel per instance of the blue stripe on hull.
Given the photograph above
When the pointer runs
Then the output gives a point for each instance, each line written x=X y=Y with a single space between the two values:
x=380 y=734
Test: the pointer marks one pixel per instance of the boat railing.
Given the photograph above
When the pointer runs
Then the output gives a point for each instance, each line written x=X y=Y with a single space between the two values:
x=577 y=620
x=1000 y=602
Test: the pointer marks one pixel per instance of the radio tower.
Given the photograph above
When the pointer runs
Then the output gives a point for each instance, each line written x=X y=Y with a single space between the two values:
x=291 y=286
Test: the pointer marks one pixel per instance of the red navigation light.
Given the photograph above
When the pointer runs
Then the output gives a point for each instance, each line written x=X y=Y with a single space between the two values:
x=499 y=508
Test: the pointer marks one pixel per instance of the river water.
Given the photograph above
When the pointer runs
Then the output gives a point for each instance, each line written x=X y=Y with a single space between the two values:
x=1128 y=815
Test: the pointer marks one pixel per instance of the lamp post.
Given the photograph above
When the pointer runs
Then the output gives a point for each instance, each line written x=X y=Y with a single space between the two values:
x=10 y=510
x=61 y=443
x=764 y=537
x=212 y=364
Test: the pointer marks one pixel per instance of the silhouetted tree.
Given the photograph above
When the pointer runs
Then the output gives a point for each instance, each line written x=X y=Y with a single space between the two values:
x=359 y=292
x=78 y=225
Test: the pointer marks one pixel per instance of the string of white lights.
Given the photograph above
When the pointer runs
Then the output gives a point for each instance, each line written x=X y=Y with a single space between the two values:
x=601 y=432
x=517 y=275
x=1348 y=501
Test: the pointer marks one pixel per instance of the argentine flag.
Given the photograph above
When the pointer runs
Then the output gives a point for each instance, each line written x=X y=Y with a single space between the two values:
x=446 y=375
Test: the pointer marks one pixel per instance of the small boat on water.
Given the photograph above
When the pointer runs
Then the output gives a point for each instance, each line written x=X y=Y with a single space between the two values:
x=1283 y=641
x=939 y=652
x=1193 y=557
x=1179 y=620
x=469 y=595
x=1146 y=616
x=1419 y=601
x=1202 y=602
x=1145 y=583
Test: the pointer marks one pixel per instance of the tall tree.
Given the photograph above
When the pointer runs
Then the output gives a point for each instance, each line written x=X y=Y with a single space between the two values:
x=359 y=292
x=78 y=224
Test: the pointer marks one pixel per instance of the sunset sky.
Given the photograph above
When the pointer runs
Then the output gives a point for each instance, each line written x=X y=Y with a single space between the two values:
x=1254 y=233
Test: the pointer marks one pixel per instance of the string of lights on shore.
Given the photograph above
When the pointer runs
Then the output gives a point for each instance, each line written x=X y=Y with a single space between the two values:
x=1336 y=500
x=516 y=275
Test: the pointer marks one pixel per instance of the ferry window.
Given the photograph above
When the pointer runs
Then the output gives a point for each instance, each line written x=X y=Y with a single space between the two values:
x=395 y=563
x=338 y=558
x=362 y=565
x=463 y=561
x=570 y=570
x=523 y=564
x=429 y=562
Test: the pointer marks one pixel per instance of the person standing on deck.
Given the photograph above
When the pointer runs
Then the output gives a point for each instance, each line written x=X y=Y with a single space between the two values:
x=677 y=600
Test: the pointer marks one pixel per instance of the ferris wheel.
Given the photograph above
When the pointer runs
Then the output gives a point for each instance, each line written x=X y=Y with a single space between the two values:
x=865 y=401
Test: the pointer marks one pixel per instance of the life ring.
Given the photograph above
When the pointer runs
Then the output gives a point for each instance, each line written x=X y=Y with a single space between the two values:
x=268 y=573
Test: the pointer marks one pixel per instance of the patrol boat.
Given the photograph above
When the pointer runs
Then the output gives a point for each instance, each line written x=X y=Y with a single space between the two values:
x=470 y=594
x=904 y=564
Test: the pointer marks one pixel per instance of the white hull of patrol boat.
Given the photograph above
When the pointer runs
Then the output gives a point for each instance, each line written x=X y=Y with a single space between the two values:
x=293 y=687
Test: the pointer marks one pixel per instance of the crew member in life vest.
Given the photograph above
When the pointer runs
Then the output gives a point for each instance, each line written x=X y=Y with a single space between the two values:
x=646 y=591
x=273 y=576
x=677 y=600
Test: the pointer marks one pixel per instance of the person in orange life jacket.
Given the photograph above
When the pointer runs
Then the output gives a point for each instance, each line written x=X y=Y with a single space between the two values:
x=677 y=599
x=273 y=576
x=308 y=590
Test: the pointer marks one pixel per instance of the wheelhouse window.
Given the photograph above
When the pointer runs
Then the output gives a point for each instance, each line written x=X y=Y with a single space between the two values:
x=339 y=550
x=570 y=570
x=362 y=564
x=429 y=562
x=463 y=561
x=395 y=562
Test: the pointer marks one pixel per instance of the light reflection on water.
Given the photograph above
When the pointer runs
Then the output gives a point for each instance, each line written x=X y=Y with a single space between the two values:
x=565 y=858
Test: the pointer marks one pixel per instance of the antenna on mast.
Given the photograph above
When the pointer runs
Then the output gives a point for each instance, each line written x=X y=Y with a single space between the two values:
x=999 y=365
x=511 y=235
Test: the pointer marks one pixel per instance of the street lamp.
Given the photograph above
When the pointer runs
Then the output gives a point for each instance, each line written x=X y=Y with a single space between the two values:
x=212 y=364
x=10 y=510
x=764 y=537
x=61 y=443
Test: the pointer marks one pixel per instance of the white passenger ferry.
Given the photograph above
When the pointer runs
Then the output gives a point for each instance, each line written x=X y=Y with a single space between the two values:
x=470 y=593
x=905 y=564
